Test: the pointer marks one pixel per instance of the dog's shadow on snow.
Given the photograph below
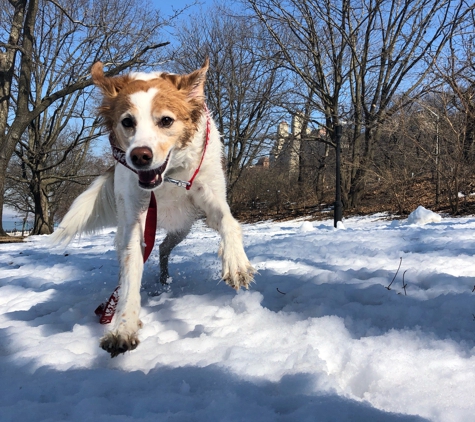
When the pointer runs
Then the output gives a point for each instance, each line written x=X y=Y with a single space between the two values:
x=60 y=304
x=181 y=394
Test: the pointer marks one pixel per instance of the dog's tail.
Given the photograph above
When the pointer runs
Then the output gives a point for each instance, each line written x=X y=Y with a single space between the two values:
x=94 y=209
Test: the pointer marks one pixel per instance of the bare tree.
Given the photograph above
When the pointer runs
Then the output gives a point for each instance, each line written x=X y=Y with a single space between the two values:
x=457 y=73
x=46 y=191
x=403 y=160
x=243 y=85
x=389 y=68
x=364 y=61
x=47 y=48
x=315 y=52
x=52 y=154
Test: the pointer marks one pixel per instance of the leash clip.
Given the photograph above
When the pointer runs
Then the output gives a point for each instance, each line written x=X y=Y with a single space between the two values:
x=179 y=183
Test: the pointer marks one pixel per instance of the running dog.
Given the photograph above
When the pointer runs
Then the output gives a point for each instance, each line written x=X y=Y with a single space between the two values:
x=169 y=152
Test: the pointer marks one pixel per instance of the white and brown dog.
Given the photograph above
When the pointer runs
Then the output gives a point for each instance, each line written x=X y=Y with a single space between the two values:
x=160 y=122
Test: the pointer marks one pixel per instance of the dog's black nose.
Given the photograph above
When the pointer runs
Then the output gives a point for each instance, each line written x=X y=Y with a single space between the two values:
x=141 y=156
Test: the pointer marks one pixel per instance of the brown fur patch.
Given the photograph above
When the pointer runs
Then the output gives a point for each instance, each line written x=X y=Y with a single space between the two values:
x=183 y=95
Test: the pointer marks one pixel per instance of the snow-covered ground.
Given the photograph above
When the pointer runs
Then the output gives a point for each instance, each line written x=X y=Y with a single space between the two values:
x=318 y=337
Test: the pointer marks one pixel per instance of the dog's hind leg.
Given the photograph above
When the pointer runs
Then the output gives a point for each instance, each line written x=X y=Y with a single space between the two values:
x=171 y=240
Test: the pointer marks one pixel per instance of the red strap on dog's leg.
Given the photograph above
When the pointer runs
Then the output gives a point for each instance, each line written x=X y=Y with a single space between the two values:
x=107 y=310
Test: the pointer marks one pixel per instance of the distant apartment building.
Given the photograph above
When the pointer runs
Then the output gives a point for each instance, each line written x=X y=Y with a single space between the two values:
x=294 y=149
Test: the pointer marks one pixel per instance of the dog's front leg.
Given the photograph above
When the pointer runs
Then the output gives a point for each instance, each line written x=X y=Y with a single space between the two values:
x=129 y=243
x=237 y=270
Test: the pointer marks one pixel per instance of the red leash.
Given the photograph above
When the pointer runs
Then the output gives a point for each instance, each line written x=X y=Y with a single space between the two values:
x=208 y=131
x=106 y=310
x=150 y=227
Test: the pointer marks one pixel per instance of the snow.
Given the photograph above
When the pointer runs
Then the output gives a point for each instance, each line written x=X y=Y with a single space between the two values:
x=423 y=216
x=340 y=225
x=317 y=337
x=306 y=227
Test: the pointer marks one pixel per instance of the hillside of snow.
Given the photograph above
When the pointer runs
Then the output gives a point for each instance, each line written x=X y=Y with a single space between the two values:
x=318 y=337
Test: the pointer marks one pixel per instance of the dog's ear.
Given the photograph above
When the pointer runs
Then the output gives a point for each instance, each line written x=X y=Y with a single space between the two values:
x=110 y=87
x=193 y=84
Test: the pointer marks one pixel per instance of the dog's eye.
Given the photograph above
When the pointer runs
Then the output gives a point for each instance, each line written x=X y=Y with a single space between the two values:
x=127 y=122
x=166 y=121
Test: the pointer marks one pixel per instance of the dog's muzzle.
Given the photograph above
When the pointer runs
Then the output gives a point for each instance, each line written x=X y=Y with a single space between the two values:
x=150 y=179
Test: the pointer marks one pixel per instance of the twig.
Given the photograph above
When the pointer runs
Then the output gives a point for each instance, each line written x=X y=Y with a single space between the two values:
x=404 y=285
x=400 y=262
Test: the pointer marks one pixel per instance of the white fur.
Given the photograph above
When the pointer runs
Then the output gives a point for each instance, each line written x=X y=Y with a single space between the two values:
x=94 y=209
x=145 y=134
x=145 y=76
x=177 y=210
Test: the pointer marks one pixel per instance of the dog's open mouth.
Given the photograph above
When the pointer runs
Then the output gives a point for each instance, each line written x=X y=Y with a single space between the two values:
x=150 y=179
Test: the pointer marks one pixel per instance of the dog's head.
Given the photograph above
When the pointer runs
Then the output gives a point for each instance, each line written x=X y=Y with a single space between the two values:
x=151 y=115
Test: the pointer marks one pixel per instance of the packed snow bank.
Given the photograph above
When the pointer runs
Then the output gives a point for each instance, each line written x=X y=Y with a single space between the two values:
x=340 y=225
x=423 y=216
x=306 y=227
x=318 y=336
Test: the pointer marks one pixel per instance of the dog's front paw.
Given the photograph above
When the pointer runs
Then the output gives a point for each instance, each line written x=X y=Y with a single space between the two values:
x=116 y=343
x=239 y=276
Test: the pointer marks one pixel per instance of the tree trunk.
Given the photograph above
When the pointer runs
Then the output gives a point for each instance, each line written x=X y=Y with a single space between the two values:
x=7 y=63
x=353 y=190
x=469 y=138
x=42 y=223
x=9 y=138
x=3 y=170
x=358 y=182
x=9 y=143
x=320 y=180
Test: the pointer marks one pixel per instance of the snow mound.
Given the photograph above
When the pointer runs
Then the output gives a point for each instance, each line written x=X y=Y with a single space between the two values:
x=340 y=225
x=423 y=216
x=306 y=227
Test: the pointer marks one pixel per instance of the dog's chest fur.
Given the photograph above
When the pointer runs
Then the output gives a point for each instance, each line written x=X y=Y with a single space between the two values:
x=175 y=209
